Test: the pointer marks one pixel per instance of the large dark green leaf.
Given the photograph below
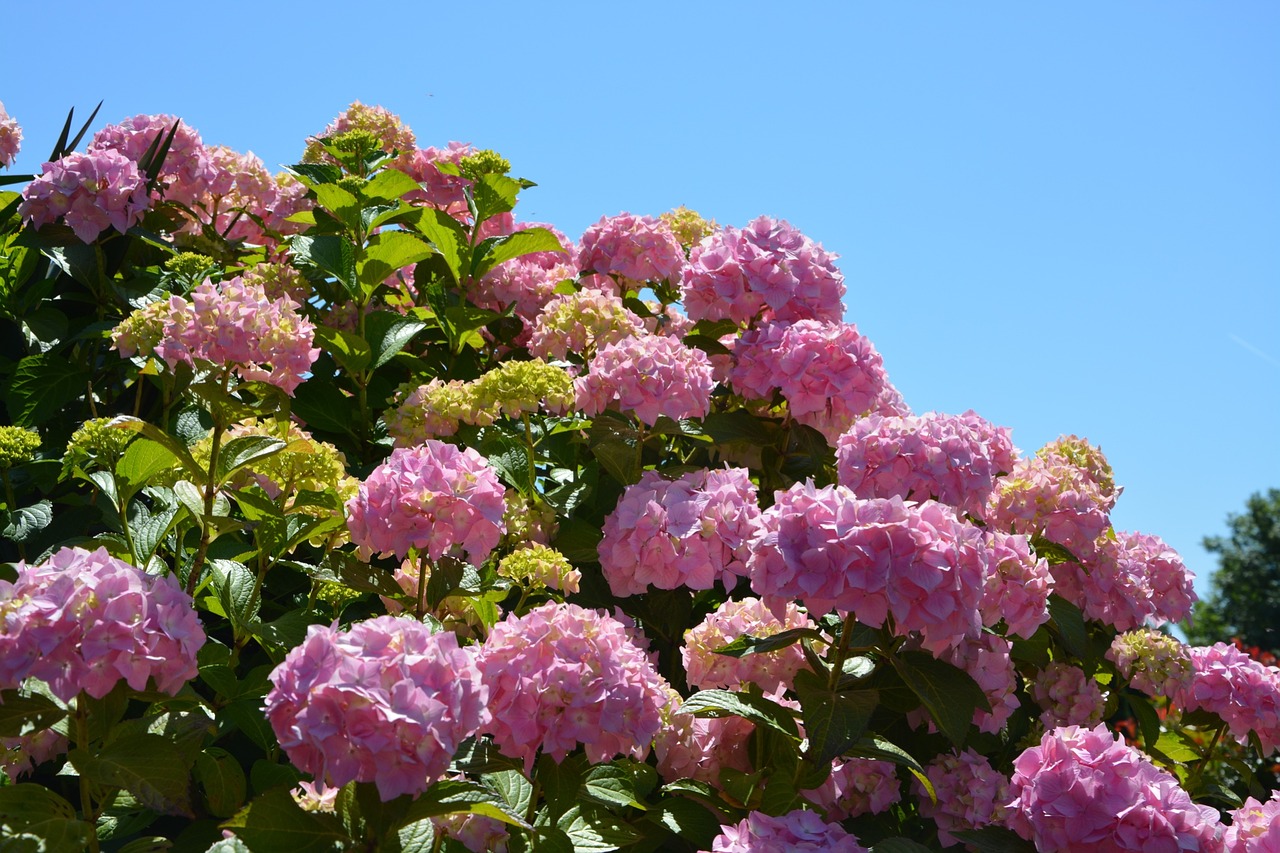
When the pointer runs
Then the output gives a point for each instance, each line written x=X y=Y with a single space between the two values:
x=274 y=823
x=992 y=839
x=594 y=830
x=833 y=721
x=20 y=715
x=515 y=245
x=494 y=194
x=42 y=385
x=330 y=254
x=388 y=333
x=757 y=709
x=749 y=645
x=29 y=811
x=26 y=521
x=148 y=766
x=949 y=693
x=323 y=406
x=388 y=185
x=223 y=780
x=142 y=460
x=388 y=252
x=446 y=235
x=452 y=796
x=348 y=349
x=245 y=450
x=1068 y=622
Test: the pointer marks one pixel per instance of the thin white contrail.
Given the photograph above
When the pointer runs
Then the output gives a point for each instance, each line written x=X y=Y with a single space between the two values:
x=1251 y=348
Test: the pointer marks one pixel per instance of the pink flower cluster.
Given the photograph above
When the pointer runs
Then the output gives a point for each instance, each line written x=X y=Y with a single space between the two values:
x=561 y=676
x=988 y=659
x=970 y=792
x=649 y=376
x=794 y=832
x=830 y=549
x=527 y=282
x=236 y=324
x=83 y=621
x=386 y=702
x=768 y=269
x=581 y=323
x=1255 y=827
x=633 y=248
x=828 y=373
x=688 y=532
x=242 y=192
x=771 y=671
x=23 y=754
x=1018 y=585
x=90 y=191
x=188 y=169
x=439 y=190
x=434 y=498
x=1154 y=663
x=954 y=459
x=857 y=786
x=1068 y=696
x=1065 y=493
x=1130 y=580
x=1083 y=789
x=689 y=747
x=1239 y=689
x=10 y=138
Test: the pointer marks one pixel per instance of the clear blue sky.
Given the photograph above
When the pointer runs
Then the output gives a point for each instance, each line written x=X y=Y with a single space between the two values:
x=1064 y=216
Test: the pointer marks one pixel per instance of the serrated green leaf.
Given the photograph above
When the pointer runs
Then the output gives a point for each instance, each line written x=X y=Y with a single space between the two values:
x=150 y=525
x=949 y=693
x=389 y=185
x=388 y=332
x=245 y=450
x=32 y=811
x=594 y=830
x=387 y=253
x=514 y=788
x=749 y=645
x=1148 y=719
x=274 y=822
x=223 y=780
x=142 y=460
x=246 y=715
x=515 y=245
x=494 y=194
x=452 y=796
x=42 y=385
x=686 y=819
x=323 y=406
x=348 y=349
x=234 y=585
x=344 y=206
x=833 y=721
x=21 y=715
x=193 y=471
x=330 y=254
x=609 y=785
x=1068 y=622
x=148 y=766
x=757 y=709
x=27 y=521
x=447 y=237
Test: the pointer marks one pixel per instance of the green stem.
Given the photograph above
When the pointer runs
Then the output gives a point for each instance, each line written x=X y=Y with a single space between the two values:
x=210 y=493
x=87 y=812
x=1193 y=782
x=424 y=563
x=842 y=650
x=12 y=503
x=529 y=450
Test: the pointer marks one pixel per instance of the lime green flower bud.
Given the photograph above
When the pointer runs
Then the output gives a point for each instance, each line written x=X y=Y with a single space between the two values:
x=17 y=445
x=540 y=566
x=486 y=162
x=96 y=445
x=688 y=226
x=515 y=388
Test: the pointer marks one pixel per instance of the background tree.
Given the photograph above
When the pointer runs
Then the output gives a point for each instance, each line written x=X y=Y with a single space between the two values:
x=1244 y=600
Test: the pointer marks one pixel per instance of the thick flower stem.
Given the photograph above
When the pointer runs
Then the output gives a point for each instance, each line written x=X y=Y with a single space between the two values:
x=842 y=650
x=1193 y=781
x=87 y=813
x=424 y=566
x=210 y=493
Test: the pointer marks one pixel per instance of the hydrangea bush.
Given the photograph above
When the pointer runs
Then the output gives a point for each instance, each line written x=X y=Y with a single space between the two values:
x=345 y=510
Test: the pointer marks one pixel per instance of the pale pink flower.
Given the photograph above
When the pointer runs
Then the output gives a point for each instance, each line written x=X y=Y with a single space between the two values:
x=768 y=269
x=188 y=168
x=988 y=660
x=650 y=376
x=857 y=786
x=386 y=702
x=561 y=677
x=241 y=194
x=971 y=794
x=1018 y=585
x=689 y=747
x=528 y=282
x=23 y=754
x=84 y=621
x=794 y=832
x=434 y=498
x=439 y=190
x=10 y=138
x=1255 y=827
x=771 y=671
x=1068 y=696
x=1129 y=580
x=92 y=192
x=1154 y=663
x=581 y=323
x=1239 y=689
x=633 y=248
x=688 y=532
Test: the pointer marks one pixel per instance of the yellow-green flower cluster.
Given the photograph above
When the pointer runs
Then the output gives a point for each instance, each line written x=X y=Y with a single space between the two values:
x=486 y=162
x=688 y=226
x=95 y=445
x=434 y=410
x=139 y=333
x=527 y=521
x=516 y=388
x=17 y=445
x=189 y=266
x=540 y=566
x=278 y=280
x=305 y=464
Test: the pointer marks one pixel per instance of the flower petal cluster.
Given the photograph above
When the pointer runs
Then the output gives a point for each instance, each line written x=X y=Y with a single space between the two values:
x=796 y=832
x=691 y=531
x=857 y=786
x=970 y=792
x=561 y=676
x=188 y=167
x=649 y=376
x=688 y=226
x=241 y=192
x=23 y=754
x=387 y=702
x=434 y=410
x=582 y=323
x=828 y=549
x=432 y=497
x=1129 y=580
x=527 y=282
x=828 y=373
x=988 y=659
x=516 y=388
x=1255 y=827
x=953 y=459
x=392 y=133
x=1155 y=663
x=17 y=445
x=91 y=191
x=84 y=621
x=442 y=190
x=1084 y=789
x=1018 y=585
x=768 y=269
x=633 y=248
x=10 y=138
x=235 y=324
x=772 y=671
x=540 y=566
x=1239 y=689
x=1068 y=696
x=689 y=747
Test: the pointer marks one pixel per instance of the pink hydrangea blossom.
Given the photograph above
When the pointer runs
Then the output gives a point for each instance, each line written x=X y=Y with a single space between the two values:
x=1155 y=663
x=1018 y=585
x=527 y=282
x=562 y=676
x=1084 y=789
x=581 y=323
x=954 y=459
x=691 y=531
x=473 y=831
x=768 y=269
x=188 y=168
x=857 y=786
x=830 y=549
x=971 y=794
x=794 y=832
x=235 y=324
x=1239 y=689
x=435 y=498
x=90 y=191
x=1129 y=580
x=633 y=248
x=771 y=671
x=10 y=138
x=23 y=754
x=649 y=376
x=689 y=747
x=387 y=702
x=84 y=621
x=1068 y=696
x=988 y=660
x=828 y=373
x=1255 y=827
x=241 y=194
x=440 y=190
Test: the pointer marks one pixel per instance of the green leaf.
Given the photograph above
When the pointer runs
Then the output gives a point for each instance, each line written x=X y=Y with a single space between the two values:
x=494 y=194
x=323 y=406
x=388 y=332
x=28 y=520
x=594 y=830
x=610 y=785
x=387 y=253
x=615 y=445
x=244 y=450
x=21 y=715
x=749 y=645
x=1175 y=747
x=1148 y=719
x=737 y=426
x=274 y=823
x=686 y=819
x=949 y=693
x=507 y=455
x=344 y=206
x=451 y=796
x=389 y=185
x=42 y=385
x=143 y=459
x=992 y=839
x=330 y=254
x=515 y=245
x=32 y=811
x=234 y=585
x=348 y=349
x=514 y=788
x=220 y=774
x=246 y=715
x=447 y=237
x=150 y=525
x=148 y=766
x=1068 y=622
x=757 y=709
x=177 y=448
x=833 y=721
x=451 y=577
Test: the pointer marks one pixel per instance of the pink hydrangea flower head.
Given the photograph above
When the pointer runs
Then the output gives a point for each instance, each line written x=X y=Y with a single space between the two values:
x=527 y=282
x=772 y=671
x=23 y=754
x=291 y=198
x=188 y=167
x=435 y=498
x=84 y=621
x=434 y=410
x=768 y=269
x=440 y=190
x=392 y=133
x=954 y=459
x=1084 y=789
x=828 y=373
x=649 y=376
x=1068 y=696
x=1129 y=580
x=387 y=702
x=971 y=794
x=691 y=531
x=988 y=660
x=1255 y=827
x=857 y=786
x=582 y=323
x=689 y=747
x=562 y=676
x=1155 y=663
x=1018 y=584
x=91 y=192
x=795 y=832
x=241 y=194
x=235 y=324
x=1239 y=689
x=633 y=248
x=10 y=138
